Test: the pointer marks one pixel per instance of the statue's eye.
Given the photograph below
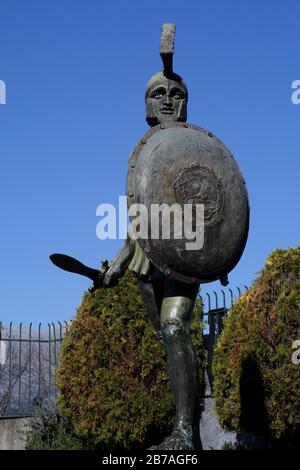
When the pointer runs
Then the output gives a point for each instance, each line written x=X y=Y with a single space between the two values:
x=157 y=94
x=178 y=96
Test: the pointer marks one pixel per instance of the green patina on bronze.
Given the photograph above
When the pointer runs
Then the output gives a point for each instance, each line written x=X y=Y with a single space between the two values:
x=139 y=264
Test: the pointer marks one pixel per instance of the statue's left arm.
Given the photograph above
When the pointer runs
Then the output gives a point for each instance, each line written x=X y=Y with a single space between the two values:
x=120 y=263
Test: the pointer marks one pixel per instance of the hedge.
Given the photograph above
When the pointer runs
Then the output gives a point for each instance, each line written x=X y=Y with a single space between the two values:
x=256 y=386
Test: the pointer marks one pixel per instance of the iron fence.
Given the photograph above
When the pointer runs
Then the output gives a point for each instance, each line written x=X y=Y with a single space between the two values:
x=215 y=307
x=29 y=357
x=28 y=360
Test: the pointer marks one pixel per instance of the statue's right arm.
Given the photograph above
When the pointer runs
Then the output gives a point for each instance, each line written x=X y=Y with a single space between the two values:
x=120 y=263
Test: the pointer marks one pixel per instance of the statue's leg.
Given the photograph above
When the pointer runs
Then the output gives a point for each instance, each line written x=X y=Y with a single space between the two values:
x=152 y=294
x=182 y=364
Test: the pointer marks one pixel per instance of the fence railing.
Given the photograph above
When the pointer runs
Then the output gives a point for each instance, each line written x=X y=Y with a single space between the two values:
x=29 y=357
x=215 y=308
x=28 y=360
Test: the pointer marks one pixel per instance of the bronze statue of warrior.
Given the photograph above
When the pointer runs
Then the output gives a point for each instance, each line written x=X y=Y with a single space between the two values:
x=177 y=164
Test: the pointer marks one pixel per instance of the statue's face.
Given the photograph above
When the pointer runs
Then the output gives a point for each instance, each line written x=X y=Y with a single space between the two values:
x=166 y=100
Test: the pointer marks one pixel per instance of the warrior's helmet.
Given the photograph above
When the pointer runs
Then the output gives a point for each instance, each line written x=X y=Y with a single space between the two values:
x=166 y=93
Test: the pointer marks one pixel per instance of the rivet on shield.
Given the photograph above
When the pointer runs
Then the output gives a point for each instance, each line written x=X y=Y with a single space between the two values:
x=162 y=126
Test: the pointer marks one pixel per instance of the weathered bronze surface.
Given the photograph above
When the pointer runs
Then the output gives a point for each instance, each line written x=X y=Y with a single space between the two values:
x=181 y=163
x=72 y=265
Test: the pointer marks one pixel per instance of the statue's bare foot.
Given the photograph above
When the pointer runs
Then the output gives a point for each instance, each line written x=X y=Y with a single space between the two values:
x=178 y=440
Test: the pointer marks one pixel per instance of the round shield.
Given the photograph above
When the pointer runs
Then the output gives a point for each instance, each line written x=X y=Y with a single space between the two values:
x=188 y=202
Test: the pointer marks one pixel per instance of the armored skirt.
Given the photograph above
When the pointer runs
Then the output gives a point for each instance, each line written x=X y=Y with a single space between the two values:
x=142 y=266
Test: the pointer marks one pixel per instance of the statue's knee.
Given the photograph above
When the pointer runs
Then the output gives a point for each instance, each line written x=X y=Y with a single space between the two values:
x=173 y=330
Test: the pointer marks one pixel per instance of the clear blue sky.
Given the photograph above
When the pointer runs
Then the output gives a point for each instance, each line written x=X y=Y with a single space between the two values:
x=76 y=72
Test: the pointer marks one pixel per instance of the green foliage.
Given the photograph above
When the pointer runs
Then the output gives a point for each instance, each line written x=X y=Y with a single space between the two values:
x=229 y=446
x=256 y=383
x=50 y=430
x=113 y=382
